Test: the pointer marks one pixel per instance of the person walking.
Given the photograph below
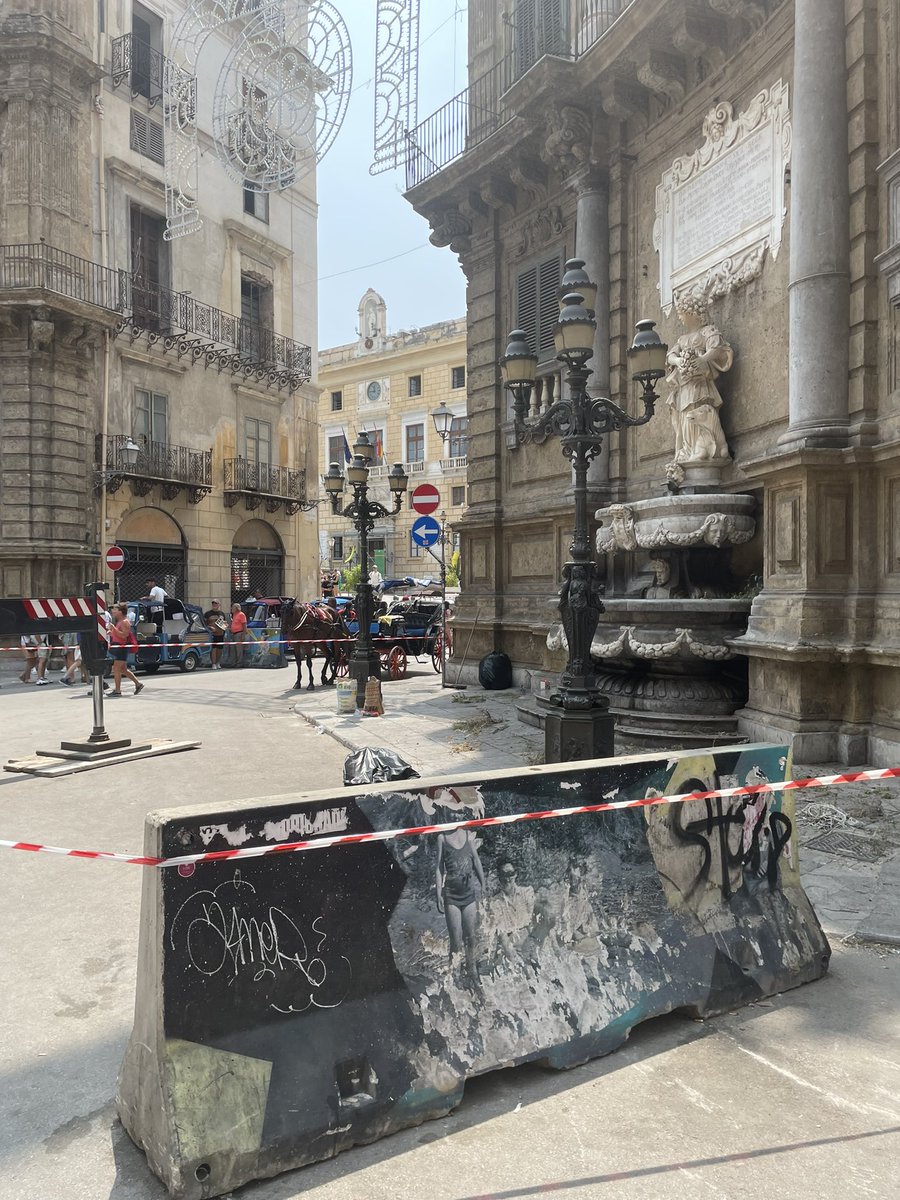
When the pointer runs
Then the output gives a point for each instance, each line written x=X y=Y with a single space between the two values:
x=29 y=643
x=73 y=659
x=238 y=631
x=218 y=626
x=121 y=642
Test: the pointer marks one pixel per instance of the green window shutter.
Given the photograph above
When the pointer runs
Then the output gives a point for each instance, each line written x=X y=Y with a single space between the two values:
x=548 y=279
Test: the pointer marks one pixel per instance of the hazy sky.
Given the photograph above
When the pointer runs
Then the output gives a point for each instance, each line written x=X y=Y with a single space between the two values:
x=363 y=218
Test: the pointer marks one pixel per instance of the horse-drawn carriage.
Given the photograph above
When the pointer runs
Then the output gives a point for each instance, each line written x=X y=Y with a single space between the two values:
x=408 y=628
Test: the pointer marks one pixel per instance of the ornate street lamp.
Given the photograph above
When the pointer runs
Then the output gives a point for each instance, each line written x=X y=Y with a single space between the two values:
x=578 y=724
x=364 y=513
x=443 y=419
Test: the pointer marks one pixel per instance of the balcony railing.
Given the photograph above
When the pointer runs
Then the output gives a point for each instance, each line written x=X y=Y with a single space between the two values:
x=174 y=468
x=218 y=337
x=260 y=483
x=459 y=463
x=37 y=265
x=181 y=324
x=138 y=64
x=478 y=111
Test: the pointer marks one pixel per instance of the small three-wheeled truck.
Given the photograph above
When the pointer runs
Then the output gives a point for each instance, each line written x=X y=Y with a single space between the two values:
x=179 y=639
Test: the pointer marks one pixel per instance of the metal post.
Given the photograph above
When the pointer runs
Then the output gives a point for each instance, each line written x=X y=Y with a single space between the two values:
x=444 y=599
x=98 y=733
x=365 y=660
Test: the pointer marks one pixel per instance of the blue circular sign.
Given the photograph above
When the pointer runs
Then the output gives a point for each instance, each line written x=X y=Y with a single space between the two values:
x=426 y=531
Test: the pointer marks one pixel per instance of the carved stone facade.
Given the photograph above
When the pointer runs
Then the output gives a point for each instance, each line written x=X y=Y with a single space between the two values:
x=641 y=109
x=199 y=350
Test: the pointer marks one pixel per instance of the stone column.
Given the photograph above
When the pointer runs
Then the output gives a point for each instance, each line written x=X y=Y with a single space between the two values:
x=819 y=290
x=592 y=244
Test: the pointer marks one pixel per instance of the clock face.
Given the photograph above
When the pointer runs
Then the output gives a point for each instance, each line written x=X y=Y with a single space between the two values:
x=373 y=391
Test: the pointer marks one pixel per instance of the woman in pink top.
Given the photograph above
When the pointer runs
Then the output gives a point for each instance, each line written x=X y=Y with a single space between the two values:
x=238 y=631
x=121 y=641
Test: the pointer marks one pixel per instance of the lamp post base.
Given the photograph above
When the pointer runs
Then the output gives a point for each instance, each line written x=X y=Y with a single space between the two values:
x=570 y=735
x=362 y=667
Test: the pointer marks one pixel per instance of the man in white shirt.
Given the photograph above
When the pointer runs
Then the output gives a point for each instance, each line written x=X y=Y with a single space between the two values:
x=156 y=595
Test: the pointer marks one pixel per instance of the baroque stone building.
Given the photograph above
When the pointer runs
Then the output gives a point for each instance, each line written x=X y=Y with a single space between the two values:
x=746 y=152
x=155 y=389
x=389 y=384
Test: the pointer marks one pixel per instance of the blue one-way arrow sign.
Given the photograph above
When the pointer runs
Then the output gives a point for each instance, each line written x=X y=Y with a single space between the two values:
x=426 y=531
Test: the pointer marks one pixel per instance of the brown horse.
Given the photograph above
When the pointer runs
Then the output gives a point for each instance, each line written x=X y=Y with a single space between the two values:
x=310 y=629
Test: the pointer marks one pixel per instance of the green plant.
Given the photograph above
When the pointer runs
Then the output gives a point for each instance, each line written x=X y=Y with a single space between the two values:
x=453 y=570
x=350 y=577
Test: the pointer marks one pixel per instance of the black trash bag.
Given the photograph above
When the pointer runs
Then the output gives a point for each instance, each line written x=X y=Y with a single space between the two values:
x=495 y=671
x=376 y=764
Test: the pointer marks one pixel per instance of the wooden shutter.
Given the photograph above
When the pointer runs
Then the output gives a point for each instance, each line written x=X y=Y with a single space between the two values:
x=526 y=305
x=548 y=279
x=525 y=26
x=552 y=27
x=147 y=137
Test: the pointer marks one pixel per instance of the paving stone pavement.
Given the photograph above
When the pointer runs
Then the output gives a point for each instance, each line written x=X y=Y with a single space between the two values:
x=849 y=835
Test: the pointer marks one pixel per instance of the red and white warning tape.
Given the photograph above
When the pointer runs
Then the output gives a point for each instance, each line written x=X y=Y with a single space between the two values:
x=386 y=835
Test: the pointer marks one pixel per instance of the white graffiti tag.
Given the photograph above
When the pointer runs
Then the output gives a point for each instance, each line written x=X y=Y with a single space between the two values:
x=228 y=933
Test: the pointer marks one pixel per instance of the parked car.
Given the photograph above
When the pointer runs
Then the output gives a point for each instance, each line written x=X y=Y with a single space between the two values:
x=182 y=642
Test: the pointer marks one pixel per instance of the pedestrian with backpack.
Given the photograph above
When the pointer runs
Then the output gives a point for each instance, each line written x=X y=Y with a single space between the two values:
x=121 y=643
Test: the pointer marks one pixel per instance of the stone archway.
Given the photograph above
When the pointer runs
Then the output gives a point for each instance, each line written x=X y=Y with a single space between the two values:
x=155 y=547
x=257 y=562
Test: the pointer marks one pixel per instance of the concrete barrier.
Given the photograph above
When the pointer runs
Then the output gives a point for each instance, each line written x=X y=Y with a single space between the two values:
x=291 y=1006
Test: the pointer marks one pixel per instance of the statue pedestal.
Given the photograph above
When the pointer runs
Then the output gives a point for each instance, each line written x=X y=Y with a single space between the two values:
x=570 y=735
x=701 y=477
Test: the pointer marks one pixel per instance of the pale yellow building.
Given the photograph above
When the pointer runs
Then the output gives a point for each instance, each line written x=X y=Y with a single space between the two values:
x=389 y=385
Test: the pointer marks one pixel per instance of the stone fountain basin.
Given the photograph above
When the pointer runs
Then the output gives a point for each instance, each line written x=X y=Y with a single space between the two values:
x=649 y=628
x=676 y=522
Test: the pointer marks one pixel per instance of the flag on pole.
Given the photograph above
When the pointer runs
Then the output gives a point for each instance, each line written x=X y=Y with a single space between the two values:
x=379 y=448
x=347 y=455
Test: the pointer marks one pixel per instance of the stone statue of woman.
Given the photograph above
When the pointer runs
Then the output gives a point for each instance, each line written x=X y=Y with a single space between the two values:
x=696 y=360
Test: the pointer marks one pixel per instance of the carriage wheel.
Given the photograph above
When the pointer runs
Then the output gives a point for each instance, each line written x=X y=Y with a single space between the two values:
x=342 y=668
x=437 y=651
x=396 y=663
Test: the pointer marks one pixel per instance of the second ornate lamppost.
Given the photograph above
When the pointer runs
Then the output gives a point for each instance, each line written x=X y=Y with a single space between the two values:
x=578 y=724
x=364 y=513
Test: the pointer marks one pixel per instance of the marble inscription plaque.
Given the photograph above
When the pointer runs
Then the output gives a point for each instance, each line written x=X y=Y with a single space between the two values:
x=720 y=209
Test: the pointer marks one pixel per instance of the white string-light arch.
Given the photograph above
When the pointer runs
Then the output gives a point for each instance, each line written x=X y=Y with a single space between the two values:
x=279 y=100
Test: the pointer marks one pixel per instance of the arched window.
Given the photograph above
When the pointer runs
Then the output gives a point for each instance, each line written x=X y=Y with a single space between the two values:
x=257 y=562
x=155 y=548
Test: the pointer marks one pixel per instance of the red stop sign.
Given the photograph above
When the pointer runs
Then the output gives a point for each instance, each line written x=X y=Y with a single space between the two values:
x=425 y=499
x=115 y=558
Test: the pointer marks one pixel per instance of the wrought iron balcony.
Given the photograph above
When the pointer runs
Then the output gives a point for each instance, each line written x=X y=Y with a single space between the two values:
x=478 y=111
x=173 y=468
x=140 y=66
x=174 y=321
x=37 y=265
x=185 y=326
x=258 y=483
